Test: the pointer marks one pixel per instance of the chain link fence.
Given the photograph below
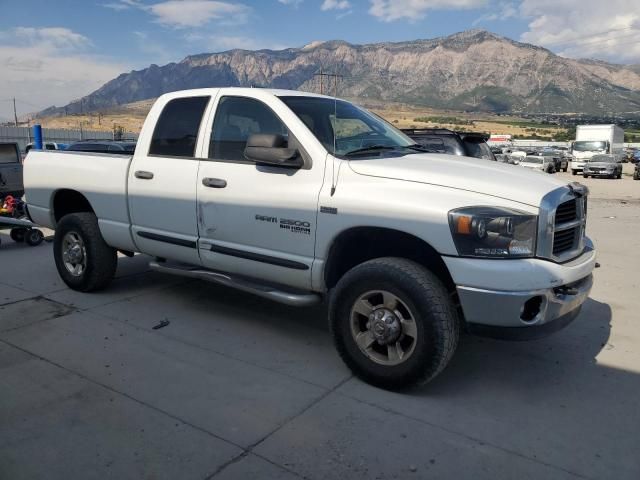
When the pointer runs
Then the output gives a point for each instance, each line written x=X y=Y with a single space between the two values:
x=24 y=135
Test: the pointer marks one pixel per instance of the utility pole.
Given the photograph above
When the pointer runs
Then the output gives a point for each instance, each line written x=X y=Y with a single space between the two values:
x=329 y=76
x=15 y=114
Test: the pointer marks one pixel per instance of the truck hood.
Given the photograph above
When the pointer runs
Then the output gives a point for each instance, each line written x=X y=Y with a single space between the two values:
x=462 y=173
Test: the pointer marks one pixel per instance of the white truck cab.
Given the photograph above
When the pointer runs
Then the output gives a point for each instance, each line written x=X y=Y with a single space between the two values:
x=300 y=198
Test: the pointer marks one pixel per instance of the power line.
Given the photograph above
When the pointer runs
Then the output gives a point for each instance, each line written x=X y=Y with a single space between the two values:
x=591 y=35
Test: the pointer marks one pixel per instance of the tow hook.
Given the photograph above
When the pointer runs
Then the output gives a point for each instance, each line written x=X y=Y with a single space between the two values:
x=566 y=290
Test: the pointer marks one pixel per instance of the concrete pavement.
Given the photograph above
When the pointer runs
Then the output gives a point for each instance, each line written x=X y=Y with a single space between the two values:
x=238 y=387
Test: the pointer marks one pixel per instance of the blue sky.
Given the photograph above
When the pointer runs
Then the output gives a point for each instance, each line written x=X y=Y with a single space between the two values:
x=55 y=51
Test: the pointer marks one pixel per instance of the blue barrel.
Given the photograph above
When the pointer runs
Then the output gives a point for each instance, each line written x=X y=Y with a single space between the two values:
x=37 y=137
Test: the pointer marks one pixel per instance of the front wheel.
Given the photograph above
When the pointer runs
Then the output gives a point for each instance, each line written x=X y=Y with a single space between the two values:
x=574 y=172
x=83 y=259
x=393 y=323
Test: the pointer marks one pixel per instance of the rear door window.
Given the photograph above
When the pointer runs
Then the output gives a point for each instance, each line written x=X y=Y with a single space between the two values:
x=176 y=132
x=8 y=154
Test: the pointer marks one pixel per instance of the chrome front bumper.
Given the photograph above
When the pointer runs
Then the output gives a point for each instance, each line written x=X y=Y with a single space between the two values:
x=528 y=314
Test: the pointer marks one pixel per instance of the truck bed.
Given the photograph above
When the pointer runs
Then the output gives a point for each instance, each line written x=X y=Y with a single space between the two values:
x=102 y=178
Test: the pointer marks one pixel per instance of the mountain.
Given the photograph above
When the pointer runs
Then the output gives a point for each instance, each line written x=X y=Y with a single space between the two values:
x=472 y=70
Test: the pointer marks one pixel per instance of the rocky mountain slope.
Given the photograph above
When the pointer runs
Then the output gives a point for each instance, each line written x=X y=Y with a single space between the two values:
x=473 y=70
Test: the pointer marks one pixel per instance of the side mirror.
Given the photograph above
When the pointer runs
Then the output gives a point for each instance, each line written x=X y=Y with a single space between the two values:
x=272 y=149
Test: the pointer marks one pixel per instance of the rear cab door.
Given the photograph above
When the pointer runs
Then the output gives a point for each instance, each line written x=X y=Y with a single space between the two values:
x=10 y=170
x=163 y=175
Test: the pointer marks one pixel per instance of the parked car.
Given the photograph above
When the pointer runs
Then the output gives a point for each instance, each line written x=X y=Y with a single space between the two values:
x=442 y=140
x=538 y=162
x=636 y=172
x=47 y=146
x=559 y=160
x=103 y=146
x=603 y=166
x=10 y=171
x=299 y=198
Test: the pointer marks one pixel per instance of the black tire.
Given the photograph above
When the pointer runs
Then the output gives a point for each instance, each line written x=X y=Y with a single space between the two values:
x=565 y=169
x=585 y=176
x=101 y=259
x=426 y=298
x=34 y=237
x=574 y=172
x=18 y=234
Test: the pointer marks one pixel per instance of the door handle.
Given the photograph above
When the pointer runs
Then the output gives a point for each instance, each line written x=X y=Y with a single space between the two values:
x=214 y=182
x=142 y=175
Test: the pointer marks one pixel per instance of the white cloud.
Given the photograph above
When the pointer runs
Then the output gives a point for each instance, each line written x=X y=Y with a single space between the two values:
x=391 y=10
x=294 y=3
x=190 y=13
x=585 y=28
x=56 y=37
x=46 y=66
x=500 y=12
x=335 y=5
x=196 y=13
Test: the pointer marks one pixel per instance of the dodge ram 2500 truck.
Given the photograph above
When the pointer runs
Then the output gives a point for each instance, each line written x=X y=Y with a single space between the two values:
x=299 y=197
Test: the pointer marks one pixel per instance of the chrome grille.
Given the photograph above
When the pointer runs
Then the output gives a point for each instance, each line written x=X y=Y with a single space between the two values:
x=566 y=212
x=561 y=233
x=564 y=240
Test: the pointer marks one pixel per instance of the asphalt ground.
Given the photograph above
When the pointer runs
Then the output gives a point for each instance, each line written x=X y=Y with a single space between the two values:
x=238 y=387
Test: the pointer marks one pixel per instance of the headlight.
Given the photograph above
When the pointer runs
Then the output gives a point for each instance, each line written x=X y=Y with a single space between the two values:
x=492 y=232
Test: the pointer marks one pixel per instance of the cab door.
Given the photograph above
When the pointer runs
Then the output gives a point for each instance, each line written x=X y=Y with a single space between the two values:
x=10 y=169
x=162 y=182
x=256 y=220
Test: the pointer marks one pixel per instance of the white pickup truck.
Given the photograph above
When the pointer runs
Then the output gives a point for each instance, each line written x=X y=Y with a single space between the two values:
x=299 y=198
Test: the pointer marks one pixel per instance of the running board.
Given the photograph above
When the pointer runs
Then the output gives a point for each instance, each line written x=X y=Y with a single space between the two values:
x=262 y=290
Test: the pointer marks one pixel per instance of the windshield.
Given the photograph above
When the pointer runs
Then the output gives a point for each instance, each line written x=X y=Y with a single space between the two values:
x=479 y=150
x=8 y=153
x=589 y=146
x=354 y=127
x=602 y=159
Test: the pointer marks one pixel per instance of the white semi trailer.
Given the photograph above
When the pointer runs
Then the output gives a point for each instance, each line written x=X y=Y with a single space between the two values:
x=595 y=139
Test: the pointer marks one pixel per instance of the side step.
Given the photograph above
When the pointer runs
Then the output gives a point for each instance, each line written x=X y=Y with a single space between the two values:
x=288 y=297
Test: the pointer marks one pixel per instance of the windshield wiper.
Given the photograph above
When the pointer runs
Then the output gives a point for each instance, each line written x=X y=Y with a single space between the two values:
x=372 y=148
x=417 y=147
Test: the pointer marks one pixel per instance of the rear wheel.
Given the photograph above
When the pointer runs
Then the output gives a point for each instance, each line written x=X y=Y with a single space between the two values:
x=574 y=172
x=393 y=323
x=83 y=259
x=34 y=237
